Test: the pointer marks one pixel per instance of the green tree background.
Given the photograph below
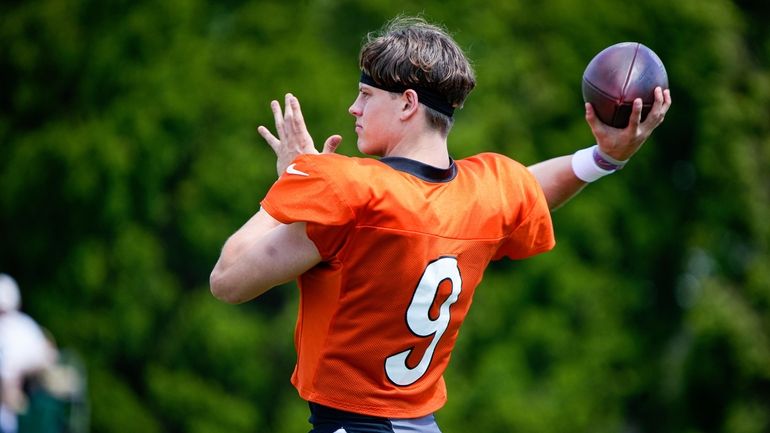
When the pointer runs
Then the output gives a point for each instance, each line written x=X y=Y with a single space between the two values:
x=128 y=154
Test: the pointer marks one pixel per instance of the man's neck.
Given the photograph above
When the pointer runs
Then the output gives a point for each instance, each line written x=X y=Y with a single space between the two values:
x=430 y=149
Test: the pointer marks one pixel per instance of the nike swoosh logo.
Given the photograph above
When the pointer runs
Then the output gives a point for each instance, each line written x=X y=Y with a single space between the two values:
x=291 y=170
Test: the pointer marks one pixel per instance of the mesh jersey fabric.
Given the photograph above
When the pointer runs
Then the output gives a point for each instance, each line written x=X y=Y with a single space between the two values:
x=401 y=258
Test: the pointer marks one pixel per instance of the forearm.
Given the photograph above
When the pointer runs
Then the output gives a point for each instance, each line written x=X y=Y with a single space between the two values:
x=231 y=274
x=557 y=179
x=262 y=254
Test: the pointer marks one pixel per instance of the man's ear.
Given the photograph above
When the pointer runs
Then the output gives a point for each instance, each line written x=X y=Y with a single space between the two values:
x=409 y=105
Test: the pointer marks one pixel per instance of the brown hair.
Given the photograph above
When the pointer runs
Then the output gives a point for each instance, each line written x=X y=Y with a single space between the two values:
x=409 y=51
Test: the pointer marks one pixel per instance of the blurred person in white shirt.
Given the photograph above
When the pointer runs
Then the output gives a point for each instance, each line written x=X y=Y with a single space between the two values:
x=24 y=351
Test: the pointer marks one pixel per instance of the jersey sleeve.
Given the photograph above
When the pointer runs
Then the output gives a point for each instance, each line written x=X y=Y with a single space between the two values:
x=532 y=229
x=307 y=193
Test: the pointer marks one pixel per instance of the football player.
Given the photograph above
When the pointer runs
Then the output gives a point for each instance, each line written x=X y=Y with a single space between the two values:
x=388 y=251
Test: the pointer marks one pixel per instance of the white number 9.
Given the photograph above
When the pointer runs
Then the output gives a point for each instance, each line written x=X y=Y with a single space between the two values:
x=419 y=321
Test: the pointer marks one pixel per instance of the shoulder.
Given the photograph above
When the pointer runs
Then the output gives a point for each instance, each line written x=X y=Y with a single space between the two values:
x=334 y=167
x=496 y=165
x=343 y=172
x=331 y=161
x=491 y=158
x=513 y=180
x=20 y=325
x=18 y=318
x=326 y=180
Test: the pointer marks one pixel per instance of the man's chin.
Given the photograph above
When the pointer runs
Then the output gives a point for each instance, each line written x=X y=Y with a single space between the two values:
x=365 y=150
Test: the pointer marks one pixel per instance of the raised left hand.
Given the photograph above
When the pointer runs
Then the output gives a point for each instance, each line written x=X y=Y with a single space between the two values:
x=293 y=138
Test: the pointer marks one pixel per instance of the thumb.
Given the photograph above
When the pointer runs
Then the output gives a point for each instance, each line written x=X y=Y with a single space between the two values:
x=271 y=140
x=331 y=143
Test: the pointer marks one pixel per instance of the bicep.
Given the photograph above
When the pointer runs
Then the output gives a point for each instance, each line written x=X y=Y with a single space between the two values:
x=288 y=252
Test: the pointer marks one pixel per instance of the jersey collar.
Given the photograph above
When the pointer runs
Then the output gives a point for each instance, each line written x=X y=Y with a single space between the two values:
x=425 y=172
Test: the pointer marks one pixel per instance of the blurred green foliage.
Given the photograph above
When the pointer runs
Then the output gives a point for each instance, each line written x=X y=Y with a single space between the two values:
x=129 y=154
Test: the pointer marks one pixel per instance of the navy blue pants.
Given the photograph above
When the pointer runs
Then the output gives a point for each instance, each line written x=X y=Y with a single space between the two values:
x=329 y=420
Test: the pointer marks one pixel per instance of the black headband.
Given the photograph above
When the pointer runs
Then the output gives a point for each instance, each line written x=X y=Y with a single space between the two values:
x=430 y=98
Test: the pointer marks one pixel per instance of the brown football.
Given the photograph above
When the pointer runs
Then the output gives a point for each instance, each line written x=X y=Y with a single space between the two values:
x=618 y=75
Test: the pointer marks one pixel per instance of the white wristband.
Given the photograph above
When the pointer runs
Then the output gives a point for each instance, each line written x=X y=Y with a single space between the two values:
x=585 y=167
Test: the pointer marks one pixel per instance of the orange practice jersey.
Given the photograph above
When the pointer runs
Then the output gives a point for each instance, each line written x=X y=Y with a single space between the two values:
x=403 y=245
